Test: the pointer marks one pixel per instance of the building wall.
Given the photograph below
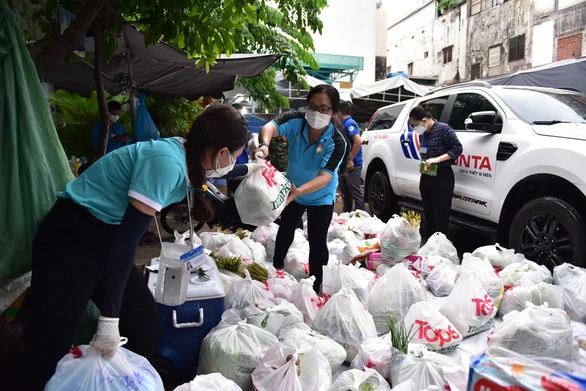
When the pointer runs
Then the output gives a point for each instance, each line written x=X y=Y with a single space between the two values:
x=493 y=28
x=420 y=39
x=350 y=29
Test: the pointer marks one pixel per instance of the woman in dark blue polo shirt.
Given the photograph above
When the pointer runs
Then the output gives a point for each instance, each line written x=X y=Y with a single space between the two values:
x=439 y=146
x=316 y=149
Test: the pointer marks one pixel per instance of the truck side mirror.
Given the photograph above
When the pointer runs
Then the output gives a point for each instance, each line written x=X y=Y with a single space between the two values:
x=486 y=121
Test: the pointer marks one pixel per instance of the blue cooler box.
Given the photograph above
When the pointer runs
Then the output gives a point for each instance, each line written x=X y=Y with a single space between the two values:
x=184 y=327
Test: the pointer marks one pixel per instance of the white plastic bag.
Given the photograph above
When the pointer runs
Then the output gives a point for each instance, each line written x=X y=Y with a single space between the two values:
x=439 y=244
x=263 y=233
x=428 y=369
x=258 y=251
x=345 y=234
x=292 y=366
x=431 y=328
x=537 y=331
x=360 y=380
x=181 y=238
x=282 y=284
x=234 y=349
x=228 y=279
x=213 y=240
x=297 y=262
x=483 y=270
x=306 y=300
x=246 y=292
x=372 y=227
x=517 y=297
x=375 y=353
x=358 y=279
x=211 y=382
x=399 y=239
x=573 y=280
x=235 y=248
x=271 y=315
x=344 y=319
x=392 y=295
x=442 y=279
x=261 y=196
x=528 y=270
x=333 y=351
x=498 y=256
x=84 y=368
x=469 y=307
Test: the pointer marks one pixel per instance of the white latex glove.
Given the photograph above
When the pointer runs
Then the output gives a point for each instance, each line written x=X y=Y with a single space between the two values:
x=107 y=337
x=254 y=166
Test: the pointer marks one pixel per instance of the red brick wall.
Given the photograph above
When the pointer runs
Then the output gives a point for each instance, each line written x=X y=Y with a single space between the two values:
x=570 y=47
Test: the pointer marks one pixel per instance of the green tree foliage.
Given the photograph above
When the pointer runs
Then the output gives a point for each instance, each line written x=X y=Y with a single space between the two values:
x=74 y=117
x=207 y=28
x=173 y=116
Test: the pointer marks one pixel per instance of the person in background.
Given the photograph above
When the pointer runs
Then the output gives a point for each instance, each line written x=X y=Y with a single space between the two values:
x=440 y=146
x=350 y=181
x=86 y=245
x=316 y=149
x=117 y=136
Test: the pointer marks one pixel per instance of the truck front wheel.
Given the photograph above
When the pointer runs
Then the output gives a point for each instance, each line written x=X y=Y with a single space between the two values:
x=381 y=199
x=549 y=231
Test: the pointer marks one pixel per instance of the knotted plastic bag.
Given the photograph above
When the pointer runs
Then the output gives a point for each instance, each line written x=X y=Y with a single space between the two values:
x=517 y=297
x=392 y=295
x=333 y=351
x=211 y=382
x=536 y=331
x=306 y=300
x=272 y=315
x=246 y=292
x=359 y=380
x=292 y=366
x=344 y=319
x=442 y=279
x=375 y=353
x=84 y=368
x=399 y=239
x=261 y=196
x=439 y=244
x=234 y=349
x=573 y=280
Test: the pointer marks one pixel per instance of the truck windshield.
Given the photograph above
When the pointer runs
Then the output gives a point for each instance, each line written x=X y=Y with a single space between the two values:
x=545 y=107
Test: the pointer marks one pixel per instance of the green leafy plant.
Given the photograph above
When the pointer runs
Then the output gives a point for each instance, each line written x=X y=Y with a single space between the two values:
x=447 y=5
x=400 y=337
x=173 y=116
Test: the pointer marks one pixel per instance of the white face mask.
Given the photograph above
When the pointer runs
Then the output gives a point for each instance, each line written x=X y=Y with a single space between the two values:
x=114 y=118
x=419 y=129
x=219 y=172
x=317 y=120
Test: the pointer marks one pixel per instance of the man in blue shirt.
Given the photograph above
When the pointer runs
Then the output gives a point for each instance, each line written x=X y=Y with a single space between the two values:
x=117 y=136
x=350 y=182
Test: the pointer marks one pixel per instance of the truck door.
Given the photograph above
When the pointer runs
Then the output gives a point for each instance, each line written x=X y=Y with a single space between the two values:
x=475 y=169
x=407 y=156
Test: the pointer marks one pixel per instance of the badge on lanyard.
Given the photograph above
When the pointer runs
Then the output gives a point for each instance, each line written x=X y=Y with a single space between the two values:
x=319 y=149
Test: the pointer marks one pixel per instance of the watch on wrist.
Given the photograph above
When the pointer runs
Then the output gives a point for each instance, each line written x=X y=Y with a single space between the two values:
x=263 y=145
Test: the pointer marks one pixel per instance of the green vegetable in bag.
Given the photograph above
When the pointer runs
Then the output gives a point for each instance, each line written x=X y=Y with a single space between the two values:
x=431 y=170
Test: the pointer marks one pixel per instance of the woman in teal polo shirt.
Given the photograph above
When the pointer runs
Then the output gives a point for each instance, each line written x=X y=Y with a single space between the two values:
x=316 y=149
x=85 y=247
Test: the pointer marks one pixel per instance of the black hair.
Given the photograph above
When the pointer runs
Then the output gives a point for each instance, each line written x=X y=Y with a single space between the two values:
x=113 y=105
x=217 y=127
x=345 y=107
x=419 y=113
x=330 y=91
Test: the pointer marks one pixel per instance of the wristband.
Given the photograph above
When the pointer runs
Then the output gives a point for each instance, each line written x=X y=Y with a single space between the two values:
x=263 y=145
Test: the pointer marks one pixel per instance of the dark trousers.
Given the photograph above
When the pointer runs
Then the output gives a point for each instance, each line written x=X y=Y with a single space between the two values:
x=350 y=187
x=70 y=251
x=436 y=194
x=318 y=222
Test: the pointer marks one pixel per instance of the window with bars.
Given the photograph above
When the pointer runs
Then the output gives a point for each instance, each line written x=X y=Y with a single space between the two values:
x=447 y=52
x=517 y=48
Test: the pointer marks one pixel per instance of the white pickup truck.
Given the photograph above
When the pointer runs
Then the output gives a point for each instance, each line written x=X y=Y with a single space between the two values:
x=522 y=175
